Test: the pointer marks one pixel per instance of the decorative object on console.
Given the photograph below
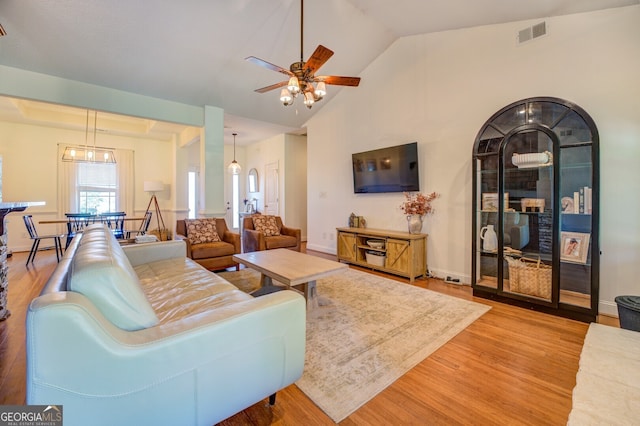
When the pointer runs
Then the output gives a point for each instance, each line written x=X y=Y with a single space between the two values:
x=357 y=221
x=414 y=223
x=416 y=206
x=532 y=160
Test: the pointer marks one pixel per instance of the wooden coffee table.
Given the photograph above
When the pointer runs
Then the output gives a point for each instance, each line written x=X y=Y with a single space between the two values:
x=291 y=268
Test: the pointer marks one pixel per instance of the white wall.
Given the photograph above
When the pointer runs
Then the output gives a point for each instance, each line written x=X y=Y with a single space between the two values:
x=295 y=190
x=440 y=88
x=29 y=172
x=290 y=152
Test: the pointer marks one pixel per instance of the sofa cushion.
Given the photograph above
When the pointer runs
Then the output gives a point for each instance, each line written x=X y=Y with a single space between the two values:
x=103 y=274
x=179 y=287
x=210 y=250
x=280 y=241
x=202 y=230
x=266 y=224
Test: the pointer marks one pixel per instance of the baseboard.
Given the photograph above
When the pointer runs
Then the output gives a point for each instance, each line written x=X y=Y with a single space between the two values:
x=322 y=249
x=608 y=308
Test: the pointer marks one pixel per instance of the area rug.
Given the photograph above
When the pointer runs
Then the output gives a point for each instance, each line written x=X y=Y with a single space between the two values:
x=367 y=332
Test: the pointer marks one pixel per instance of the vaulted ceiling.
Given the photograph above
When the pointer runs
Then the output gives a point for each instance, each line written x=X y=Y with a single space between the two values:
x=194 y=51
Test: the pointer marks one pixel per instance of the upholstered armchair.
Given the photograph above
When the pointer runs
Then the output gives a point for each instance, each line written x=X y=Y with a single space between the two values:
x=209 y=242
x=265 y=232
x=516 y=230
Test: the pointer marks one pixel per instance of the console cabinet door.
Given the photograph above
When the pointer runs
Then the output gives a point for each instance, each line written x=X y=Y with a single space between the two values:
x=398 y=256
x=346 y=246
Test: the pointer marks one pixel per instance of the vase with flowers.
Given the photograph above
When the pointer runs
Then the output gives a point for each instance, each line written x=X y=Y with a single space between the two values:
x=416 y=207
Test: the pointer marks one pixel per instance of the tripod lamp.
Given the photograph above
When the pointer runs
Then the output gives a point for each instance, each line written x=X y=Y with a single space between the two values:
x=154 y=186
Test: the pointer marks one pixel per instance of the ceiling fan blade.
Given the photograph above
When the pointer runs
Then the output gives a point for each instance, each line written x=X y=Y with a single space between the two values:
x=338 y=80
x=318 y=58
x=268 y=65
x=272 y=87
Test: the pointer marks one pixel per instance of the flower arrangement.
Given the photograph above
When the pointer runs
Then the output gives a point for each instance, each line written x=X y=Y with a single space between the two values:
x=418 y=203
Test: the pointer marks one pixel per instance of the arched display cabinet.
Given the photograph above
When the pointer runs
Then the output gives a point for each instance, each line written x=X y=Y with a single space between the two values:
x=535 y=180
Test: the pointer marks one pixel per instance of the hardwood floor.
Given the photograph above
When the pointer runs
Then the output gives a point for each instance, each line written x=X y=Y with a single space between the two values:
x=511 y=366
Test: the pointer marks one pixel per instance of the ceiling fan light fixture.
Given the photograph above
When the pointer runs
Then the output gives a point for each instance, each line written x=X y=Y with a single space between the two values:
x=285 y=97
x=309 y=99
x=302 y=74
x=294 y=85
x=321 y=90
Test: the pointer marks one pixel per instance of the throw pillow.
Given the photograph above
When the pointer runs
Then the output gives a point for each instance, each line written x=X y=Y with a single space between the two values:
x=202 y=230
x=266 y=224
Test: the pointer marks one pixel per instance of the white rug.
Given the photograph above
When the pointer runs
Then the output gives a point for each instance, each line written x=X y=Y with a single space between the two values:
x=367 y=332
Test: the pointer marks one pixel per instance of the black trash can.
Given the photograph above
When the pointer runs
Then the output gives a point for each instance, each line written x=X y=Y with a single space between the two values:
x=629 y=312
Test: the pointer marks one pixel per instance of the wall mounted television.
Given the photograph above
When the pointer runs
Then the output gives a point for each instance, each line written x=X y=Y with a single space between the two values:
x=392 y=169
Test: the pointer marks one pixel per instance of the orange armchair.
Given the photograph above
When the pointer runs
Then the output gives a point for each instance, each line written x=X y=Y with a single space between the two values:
x=213 y=255
x=263 y=232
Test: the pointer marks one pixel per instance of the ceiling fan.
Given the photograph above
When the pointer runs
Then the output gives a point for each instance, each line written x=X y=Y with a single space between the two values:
x=302 y=74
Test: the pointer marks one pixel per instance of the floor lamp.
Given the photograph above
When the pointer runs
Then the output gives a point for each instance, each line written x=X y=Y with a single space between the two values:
x=154 y=186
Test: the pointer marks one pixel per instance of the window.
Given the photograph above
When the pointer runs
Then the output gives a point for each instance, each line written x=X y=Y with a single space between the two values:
x=236 y=201
x=192 y=195
x=96 y=188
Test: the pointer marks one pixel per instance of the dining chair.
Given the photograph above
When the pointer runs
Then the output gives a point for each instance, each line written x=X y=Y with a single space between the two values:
x=76 y=222
x=143 y=228
x=33 y=234
x=115 y=222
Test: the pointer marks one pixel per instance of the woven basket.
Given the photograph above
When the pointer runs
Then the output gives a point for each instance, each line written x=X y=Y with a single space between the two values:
x=529 y=276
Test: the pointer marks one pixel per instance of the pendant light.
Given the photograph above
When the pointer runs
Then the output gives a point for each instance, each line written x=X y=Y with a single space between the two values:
x=234 y=168
x=87 y=154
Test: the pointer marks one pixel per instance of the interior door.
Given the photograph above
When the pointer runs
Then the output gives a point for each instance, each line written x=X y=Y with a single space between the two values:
x=271 y=190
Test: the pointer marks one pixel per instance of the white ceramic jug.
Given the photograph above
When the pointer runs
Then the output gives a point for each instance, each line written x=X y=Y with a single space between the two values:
x=489 y=238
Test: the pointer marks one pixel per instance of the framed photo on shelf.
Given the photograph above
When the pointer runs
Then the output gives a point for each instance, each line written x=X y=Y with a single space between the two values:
x=574 y=247
x=490 y=201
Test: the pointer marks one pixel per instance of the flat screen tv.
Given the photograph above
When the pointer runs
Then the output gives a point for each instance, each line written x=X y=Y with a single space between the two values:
x=393 y=169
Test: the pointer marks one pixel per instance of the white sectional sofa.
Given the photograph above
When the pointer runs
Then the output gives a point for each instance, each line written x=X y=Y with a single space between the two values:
x=142 y=335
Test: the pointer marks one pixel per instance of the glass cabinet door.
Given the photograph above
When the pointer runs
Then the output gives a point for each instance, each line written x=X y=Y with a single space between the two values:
x=577 y=201
x=527 y=219
x=486 y=222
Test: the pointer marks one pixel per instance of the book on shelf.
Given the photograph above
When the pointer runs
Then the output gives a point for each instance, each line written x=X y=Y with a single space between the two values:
x=587 y=200
x=582 y=200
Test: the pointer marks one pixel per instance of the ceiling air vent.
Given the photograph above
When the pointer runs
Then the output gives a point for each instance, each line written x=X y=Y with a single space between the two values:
x=533 y=32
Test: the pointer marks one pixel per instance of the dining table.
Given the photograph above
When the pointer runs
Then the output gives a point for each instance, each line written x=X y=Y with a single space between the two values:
x=54 y=221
